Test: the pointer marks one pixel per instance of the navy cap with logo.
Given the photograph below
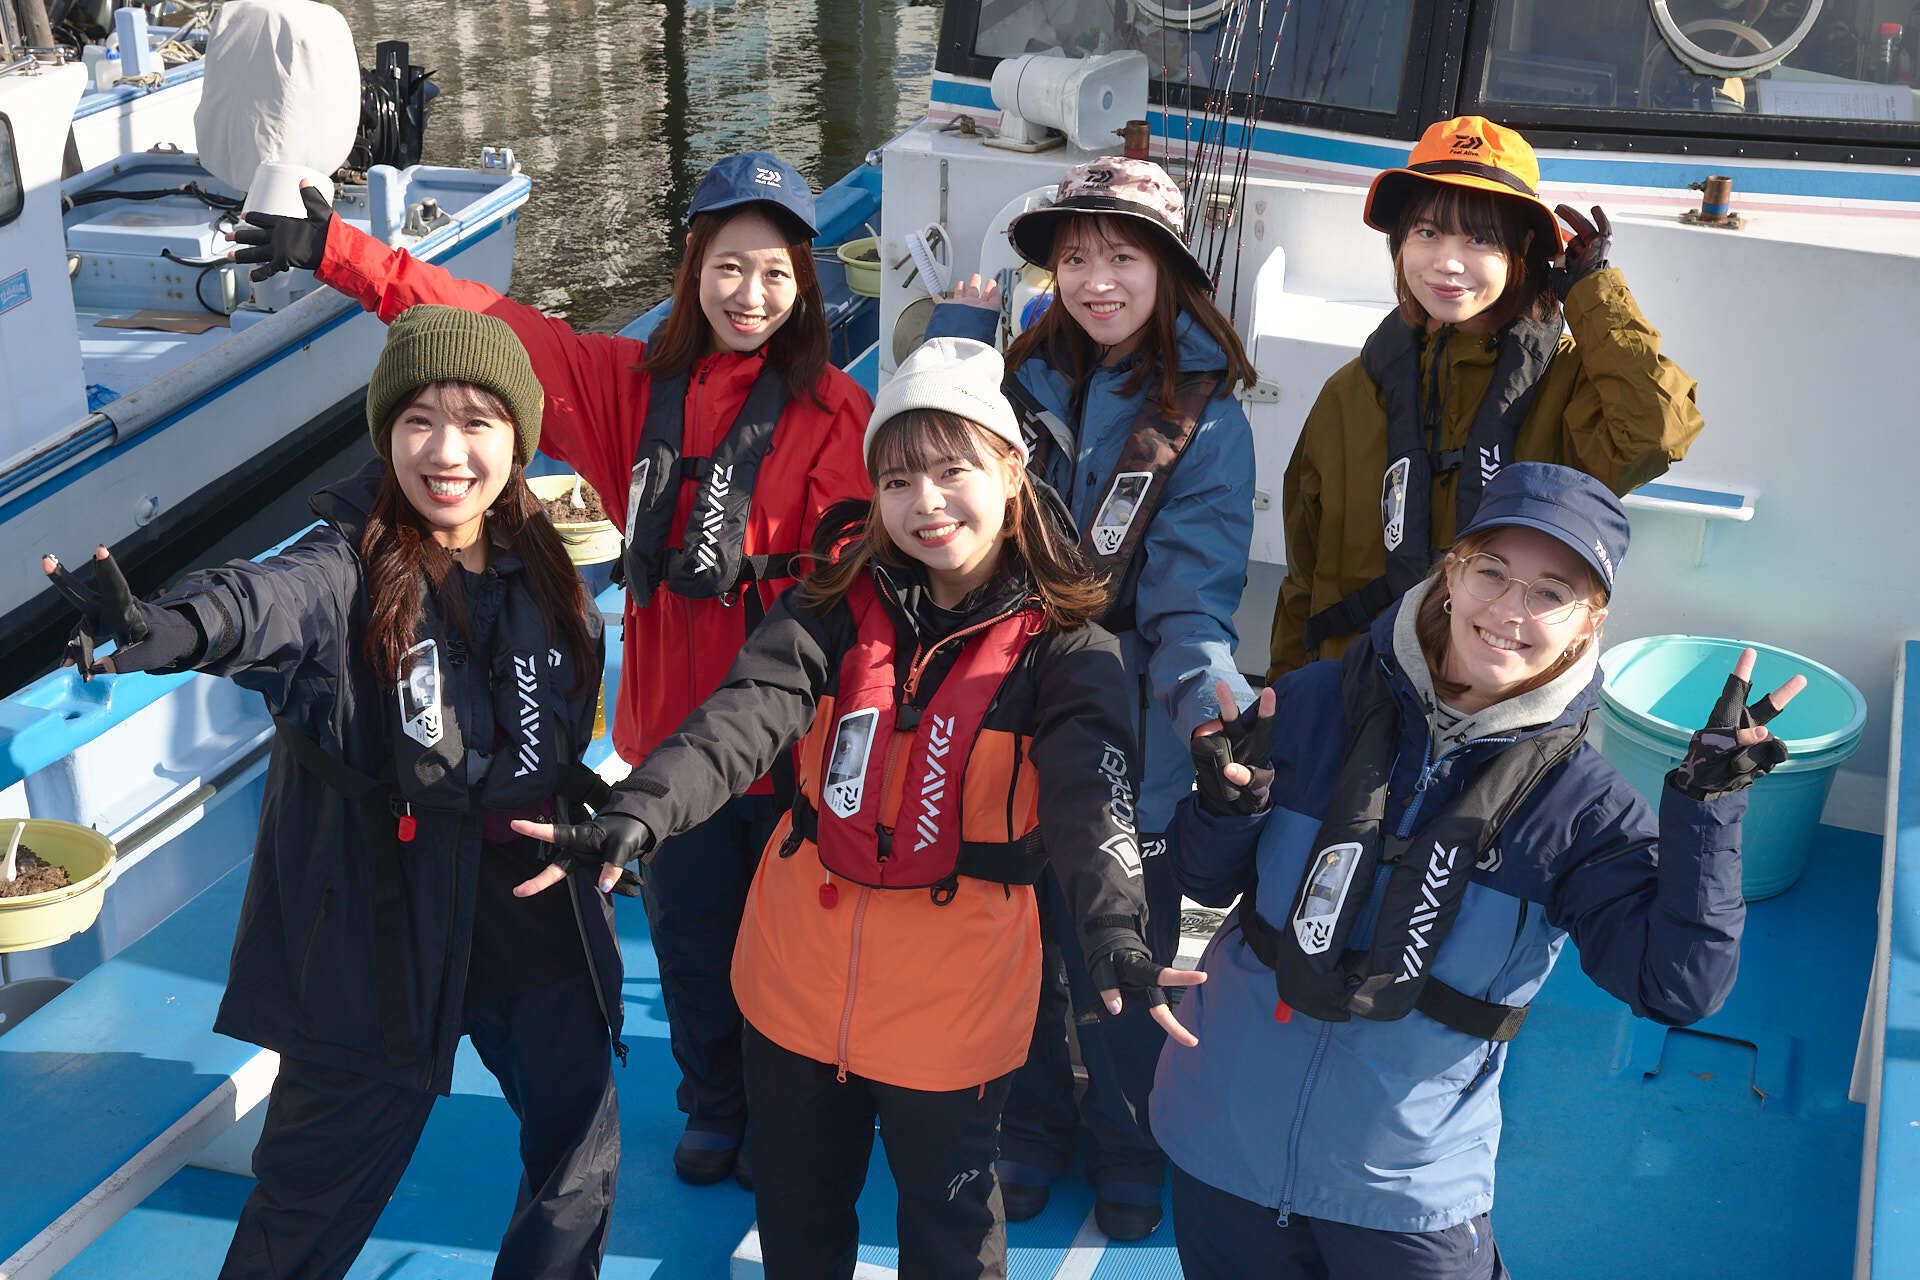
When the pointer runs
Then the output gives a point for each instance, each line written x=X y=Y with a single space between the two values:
x=1568 y=505
x=758 y=177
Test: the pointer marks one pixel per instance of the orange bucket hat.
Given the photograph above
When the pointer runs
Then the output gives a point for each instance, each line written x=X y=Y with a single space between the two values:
x=1467 y=151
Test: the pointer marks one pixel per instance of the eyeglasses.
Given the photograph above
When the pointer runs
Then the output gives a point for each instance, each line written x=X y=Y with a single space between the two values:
x=1547 y=600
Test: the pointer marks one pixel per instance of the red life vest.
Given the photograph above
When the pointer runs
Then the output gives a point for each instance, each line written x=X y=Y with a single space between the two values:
x=879 y=731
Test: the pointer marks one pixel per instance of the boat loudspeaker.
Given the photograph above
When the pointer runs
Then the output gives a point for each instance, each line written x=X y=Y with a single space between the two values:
x=1087 y=99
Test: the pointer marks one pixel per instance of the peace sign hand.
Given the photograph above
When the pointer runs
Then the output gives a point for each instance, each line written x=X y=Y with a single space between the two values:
x=108 y=611
x=1588 y=249
x=1128 y=978
x=1233 y=755
x=612 y=840
x=1735 y=749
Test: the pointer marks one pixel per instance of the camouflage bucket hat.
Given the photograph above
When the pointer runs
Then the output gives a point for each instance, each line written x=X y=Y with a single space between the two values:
x=1114 y=187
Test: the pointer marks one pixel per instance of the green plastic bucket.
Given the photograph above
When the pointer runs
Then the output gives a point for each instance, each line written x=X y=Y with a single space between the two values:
x=1660 y=689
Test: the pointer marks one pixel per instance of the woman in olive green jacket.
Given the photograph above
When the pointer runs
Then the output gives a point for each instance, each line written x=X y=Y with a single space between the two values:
x=1493 y=356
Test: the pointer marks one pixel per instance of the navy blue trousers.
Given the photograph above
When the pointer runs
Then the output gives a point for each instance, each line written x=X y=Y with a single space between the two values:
x=336 y=1143
x=1040 y=1122
x=695 y=892
x=1223 y=1237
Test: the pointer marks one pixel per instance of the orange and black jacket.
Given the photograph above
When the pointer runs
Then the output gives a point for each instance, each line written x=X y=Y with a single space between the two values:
x=925 y=989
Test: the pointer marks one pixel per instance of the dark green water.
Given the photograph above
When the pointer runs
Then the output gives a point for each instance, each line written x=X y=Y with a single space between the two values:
x=616 y=107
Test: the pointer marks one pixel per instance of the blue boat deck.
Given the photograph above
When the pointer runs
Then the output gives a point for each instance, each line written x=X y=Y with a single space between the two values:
x=1726 y=1150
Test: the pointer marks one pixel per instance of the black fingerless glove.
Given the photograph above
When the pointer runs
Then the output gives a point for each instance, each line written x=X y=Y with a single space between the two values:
x=1246 y=740
x=1133 y=974
x=278 y=242
x=1587 y=251
x=146 y=636
x=610 y=838
x=1716 y=764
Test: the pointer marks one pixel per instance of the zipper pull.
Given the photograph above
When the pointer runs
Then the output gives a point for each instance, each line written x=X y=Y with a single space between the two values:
x=407 y=826
x=829 y=896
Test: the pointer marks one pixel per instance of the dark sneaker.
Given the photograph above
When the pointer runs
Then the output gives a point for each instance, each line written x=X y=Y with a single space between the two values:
x=1126 y=1210
x=703 y=1158
x=1024 y=1190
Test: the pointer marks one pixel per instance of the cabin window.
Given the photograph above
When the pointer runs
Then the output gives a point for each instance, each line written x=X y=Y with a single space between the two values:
x=1333 y=53
x=1735 y=66
x=13 y=194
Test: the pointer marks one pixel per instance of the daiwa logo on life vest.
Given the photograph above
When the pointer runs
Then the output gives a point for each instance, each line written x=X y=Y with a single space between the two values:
x=1489 y=463
x=1393 y=502
x=418 y=690
x=526 y=683
x=1439 y=873
x=713 y=522
x=847 y=765
x=933 y=785
x=1326 y=893
x=1124 y=845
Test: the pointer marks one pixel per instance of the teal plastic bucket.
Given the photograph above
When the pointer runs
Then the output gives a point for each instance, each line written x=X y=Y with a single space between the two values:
x=1660 y=689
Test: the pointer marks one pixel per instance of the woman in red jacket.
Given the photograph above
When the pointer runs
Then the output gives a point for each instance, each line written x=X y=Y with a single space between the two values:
x=715 y=446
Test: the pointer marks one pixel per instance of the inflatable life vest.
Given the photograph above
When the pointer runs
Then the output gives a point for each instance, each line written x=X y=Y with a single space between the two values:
x=892 y=773
x=1137 y=486
x=1315 y=969
x=431 y=765
x=1391 y=358
x=711 y=559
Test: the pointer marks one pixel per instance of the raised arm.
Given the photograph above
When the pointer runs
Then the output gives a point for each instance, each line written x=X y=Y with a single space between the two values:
x=1632 y=412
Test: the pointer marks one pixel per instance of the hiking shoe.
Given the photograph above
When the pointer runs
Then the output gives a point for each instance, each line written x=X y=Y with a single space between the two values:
x=702 y=1158
x=1024 y=1190
x=1126 y=1210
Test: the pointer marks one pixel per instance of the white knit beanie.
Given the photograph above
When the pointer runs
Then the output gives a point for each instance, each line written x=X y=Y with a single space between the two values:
x=958 y=375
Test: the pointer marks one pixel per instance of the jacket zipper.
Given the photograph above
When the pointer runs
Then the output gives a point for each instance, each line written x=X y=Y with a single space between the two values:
x=853 y=983
x=1299 y=1121
x=1013 y=785
x=1429 y=764
x=593 y=971
x=692 y=412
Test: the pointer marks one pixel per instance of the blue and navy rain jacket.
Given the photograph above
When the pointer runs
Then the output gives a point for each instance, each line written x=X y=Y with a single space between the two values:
x=1395 y=1125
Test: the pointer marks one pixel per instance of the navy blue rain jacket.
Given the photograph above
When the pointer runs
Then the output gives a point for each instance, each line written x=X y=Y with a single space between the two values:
x=1193 y=566
x=303 y=979
x=1394 y=1125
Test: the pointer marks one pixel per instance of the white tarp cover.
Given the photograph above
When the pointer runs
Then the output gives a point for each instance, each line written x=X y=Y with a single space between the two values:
x=282 y=84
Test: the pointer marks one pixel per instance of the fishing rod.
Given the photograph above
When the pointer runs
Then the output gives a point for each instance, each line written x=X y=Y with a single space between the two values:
x=1255 y=108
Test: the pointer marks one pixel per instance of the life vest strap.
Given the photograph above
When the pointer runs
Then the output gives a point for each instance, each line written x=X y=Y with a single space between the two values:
x=1451 y=1008
x=1001 y=861
x=1350 y=615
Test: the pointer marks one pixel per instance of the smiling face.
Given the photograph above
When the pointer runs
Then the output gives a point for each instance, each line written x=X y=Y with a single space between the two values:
x=747 y=286
x=942 y=497
x=1495 y=647
x=1455 y=276
x=1106 y=275
x=452 y=450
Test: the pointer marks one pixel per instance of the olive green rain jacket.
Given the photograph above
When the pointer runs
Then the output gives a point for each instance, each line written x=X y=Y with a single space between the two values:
x=1609 y=404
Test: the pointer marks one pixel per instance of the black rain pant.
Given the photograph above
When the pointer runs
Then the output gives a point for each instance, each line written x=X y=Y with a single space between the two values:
x=695 y=893
x=1223 y=1237
x=336 y=1144
x=812 y=1140
x=1119 y=1053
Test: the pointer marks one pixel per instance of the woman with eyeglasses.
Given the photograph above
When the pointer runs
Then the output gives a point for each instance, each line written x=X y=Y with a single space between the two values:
x=1413 y=833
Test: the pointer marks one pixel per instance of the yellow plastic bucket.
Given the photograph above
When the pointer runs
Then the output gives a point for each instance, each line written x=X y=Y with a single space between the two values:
x=863 y=272
x=42 y=919
x=587 y=541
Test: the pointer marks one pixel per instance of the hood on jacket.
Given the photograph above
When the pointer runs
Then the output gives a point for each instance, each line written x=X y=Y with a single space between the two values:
x=1565 y=698
x=347 y=502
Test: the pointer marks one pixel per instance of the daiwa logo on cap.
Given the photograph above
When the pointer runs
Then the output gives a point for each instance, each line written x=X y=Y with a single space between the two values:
x=1469 y=144
x=1606 y=561
x=767 y=177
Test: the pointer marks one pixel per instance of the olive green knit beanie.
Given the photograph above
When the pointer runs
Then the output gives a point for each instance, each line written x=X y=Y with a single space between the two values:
x=428 y=343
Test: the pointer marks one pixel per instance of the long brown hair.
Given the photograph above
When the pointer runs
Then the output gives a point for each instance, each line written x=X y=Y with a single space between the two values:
x=1435 y=633
x=399 y=553
x=798 y=349
x=851 y=534
x=1458 y=210
x=1066 y=346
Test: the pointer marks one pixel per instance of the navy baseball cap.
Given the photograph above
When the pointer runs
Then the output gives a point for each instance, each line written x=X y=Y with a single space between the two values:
x=1562 y=503
x=758 y=177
